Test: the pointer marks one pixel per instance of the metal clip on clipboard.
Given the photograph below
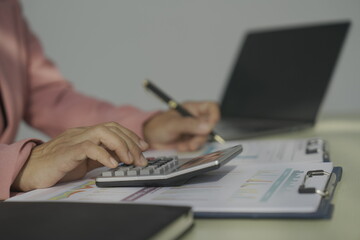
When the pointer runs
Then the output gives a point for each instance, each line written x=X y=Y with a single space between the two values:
x=329 y=187
x=317 y=145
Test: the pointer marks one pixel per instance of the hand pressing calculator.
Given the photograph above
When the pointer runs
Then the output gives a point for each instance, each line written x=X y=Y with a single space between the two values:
x=165 y=171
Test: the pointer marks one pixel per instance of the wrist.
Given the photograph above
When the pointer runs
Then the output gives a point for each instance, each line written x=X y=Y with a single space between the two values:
x=28 y=177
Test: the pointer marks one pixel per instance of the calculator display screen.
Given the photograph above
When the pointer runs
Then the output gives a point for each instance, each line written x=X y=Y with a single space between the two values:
x=201 y=160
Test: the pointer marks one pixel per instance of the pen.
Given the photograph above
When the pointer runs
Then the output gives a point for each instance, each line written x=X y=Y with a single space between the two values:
x=176 y=106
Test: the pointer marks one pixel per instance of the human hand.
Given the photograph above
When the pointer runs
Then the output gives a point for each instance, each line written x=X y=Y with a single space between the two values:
x=171 y=130
x=78 y=150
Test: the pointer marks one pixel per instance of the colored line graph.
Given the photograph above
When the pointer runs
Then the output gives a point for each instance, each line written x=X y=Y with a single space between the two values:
x=78 y=189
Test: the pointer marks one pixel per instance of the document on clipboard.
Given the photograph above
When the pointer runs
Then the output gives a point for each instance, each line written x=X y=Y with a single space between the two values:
x=301 y=187
x=266 y=191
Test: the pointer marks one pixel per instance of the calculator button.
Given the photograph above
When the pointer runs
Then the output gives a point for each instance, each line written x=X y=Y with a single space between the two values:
x=159 y=170
x=134 y=171
x=107 y=174
x=120 y=173
x=146 y=171
x=124 y=168
x=166 y=167
x=171 y=164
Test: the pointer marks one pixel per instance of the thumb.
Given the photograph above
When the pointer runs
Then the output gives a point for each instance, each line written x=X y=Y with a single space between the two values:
x=193 y=126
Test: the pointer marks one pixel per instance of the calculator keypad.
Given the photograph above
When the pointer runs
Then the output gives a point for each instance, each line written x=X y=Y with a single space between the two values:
x=156 y=166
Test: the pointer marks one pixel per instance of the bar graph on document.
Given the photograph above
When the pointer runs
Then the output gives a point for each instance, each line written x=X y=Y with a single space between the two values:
x=272 y=188
x=292 y=182
x=258 y=183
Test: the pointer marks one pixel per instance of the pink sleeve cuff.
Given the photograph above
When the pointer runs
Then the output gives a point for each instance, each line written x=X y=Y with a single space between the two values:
x=12 y=159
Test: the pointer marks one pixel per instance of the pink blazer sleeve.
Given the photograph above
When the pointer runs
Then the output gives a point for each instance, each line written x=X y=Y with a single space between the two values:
x=13 y=157
x=51 y=104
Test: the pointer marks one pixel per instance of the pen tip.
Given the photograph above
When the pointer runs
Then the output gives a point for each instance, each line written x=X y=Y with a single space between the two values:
x=219 y=139
x=146 y=82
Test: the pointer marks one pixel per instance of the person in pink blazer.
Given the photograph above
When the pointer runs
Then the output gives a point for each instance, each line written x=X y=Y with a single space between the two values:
x=85 y=132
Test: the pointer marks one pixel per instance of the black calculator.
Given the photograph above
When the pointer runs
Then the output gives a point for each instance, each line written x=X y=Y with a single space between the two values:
x=166 y=171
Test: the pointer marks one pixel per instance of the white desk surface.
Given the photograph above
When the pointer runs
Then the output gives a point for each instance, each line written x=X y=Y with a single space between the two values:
x=343 y=135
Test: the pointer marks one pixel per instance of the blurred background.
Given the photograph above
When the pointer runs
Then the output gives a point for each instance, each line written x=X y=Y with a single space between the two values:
x=107 y=48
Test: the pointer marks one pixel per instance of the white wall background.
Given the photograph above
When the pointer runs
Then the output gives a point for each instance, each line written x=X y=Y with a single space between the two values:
x=106 y=48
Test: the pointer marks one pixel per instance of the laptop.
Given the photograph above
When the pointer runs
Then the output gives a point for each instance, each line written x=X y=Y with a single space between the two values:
x=279 y=79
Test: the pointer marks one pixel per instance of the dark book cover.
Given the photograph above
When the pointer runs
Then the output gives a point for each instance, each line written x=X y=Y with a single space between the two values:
x=69 y=220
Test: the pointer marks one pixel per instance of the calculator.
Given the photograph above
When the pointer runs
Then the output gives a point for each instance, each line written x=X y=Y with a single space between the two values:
x=166 y=171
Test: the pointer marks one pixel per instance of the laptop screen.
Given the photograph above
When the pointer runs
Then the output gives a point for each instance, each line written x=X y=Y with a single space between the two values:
x=283 y=73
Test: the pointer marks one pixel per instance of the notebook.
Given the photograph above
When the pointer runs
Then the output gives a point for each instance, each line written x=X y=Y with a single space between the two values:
x=279 y=79
x=70 y=220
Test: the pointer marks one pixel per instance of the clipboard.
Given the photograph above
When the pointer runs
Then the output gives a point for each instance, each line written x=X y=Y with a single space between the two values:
x=324 y=211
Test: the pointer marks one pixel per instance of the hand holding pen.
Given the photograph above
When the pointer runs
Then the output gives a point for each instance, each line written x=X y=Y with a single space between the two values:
x=176 y=106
